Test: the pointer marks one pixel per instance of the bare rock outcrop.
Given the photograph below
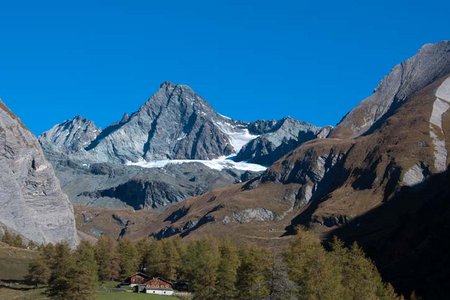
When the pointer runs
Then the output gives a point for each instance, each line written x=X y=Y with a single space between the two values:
x=31 y=199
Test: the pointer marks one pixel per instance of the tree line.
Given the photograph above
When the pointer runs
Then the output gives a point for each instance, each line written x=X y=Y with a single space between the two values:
x=214 y=269
x=15 y=240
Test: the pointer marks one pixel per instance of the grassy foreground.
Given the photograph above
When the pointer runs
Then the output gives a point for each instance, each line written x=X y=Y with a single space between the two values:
x=14 y=262
x=21 y=292
x=131 y=296
x=24 y=292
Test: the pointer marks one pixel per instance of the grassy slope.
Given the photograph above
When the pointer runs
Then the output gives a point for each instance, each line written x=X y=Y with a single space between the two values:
x=16 y=292
x=14 y=262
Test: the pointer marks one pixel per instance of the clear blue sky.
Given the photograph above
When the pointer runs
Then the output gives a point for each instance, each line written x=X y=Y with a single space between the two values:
x=312 y=60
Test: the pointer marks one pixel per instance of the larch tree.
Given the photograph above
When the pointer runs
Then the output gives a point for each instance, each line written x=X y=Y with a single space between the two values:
x=38 y=271
x=227 y=271
x=312 y=269
x=253 y=274
x=62 y=266
x=360 y=277
x=84 y=274
x=106 y=256
x=201 y=260
x=128 y=258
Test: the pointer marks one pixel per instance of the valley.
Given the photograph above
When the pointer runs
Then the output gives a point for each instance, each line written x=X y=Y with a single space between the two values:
x=177 y=170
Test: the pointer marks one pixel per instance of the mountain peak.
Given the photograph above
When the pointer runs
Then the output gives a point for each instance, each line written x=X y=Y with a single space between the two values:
x=432 y=61
x=71 y=135
x=167 y=84
x=435 y=46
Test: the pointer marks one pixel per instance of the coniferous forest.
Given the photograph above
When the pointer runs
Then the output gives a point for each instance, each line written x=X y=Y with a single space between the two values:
x=207 y=268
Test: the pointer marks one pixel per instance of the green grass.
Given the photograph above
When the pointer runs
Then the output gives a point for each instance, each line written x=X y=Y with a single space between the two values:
x=131 y=296
x=14 y=262
x=21 y=292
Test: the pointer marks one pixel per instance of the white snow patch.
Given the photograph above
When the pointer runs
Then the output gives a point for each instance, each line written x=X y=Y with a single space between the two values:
x=215 y=164
x=228 y=118
x=413 y=176
x=239 y=137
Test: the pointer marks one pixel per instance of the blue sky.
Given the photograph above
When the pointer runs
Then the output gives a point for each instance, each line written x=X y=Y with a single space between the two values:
x=250 y=59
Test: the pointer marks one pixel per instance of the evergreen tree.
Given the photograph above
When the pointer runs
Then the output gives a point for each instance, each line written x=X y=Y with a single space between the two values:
x=253 y=274
x=153 y=259
x=227 y=271
x=200 y=267
x=62 y=266
x=171 y=260
x=48 y=254
x=14 y=240
x=106 y=257
x=38 y=271
x=84 y=281
x=360 y=278
x=7 y=238
x=312 y=269
x=17 y=241
x=128 y=258
x=281 y=287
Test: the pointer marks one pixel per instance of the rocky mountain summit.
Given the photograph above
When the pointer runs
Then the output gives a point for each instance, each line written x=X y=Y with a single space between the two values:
x=286 y=135
x=137 y=155
x=70 y=136
x=175 y=123
x=31 y=200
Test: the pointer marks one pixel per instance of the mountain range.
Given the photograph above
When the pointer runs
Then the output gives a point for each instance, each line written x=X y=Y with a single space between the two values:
x=177 y=167
x=175 y=146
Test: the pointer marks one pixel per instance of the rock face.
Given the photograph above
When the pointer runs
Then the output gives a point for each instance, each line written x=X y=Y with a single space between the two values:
x=430 y=63
x=279 y=138
x=115 y=186
x=70 y=136
x=250 y=215
x=31 y=199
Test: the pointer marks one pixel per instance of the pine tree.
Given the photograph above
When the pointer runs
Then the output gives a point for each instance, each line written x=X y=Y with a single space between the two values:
x=227 y=271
